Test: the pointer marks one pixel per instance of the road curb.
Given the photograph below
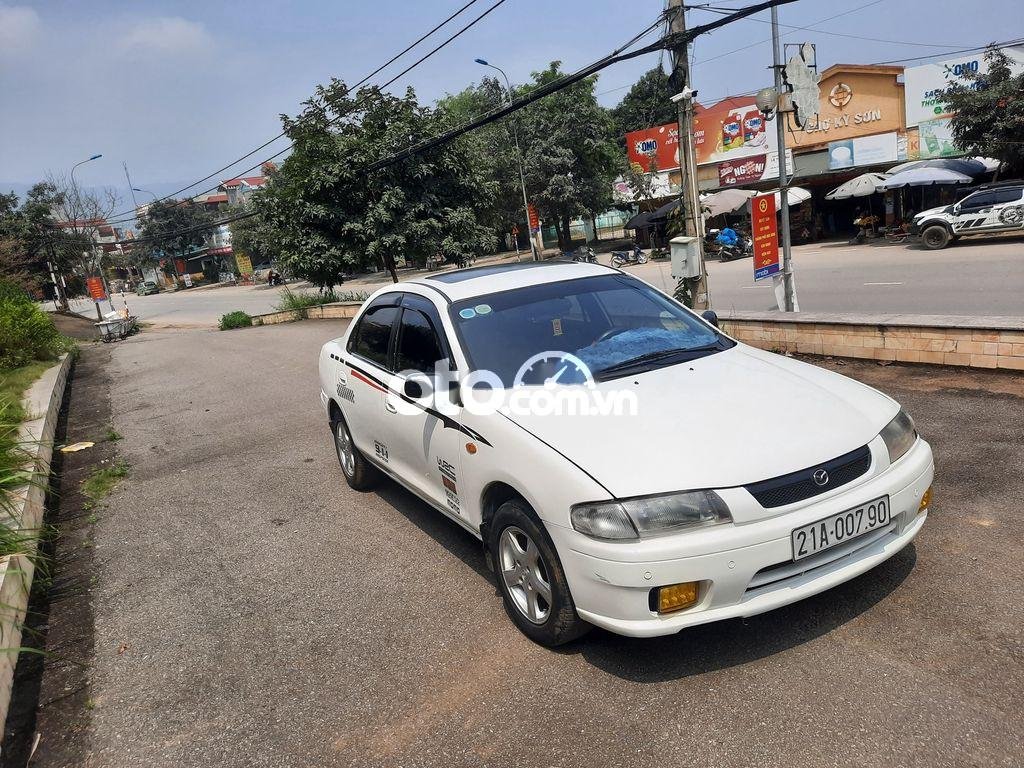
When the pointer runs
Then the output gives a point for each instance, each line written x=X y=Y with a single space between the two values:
x=972 y=342
x=42 y=406
x=338 y=310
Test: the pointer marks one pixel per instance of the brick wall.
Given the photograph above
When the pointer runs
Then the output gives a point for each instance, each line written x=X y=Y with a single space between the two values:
x=977 y=342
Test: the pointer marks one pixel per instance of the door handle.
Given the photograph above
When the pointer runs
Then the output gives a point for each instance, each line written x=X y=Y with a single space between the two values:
x=390 y=406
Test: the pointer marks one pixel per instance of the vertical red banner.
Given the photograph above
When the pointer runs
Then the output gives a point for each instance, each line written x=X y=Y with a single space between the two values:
x=95 y=286
x=534 y=219
x=765 y=232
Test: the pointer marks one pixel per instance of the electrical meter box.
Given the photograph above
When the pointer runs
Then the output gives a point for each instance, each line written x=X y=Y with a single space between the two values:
x=685 y=257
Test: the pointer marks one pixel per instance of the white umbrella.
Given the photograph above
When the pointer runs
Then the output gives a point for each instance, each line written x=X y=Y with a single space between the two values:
x=990 y=163
x=795 y=196
x=861 y=186
x=920 y=177
x=726 y=201
x=966 y=166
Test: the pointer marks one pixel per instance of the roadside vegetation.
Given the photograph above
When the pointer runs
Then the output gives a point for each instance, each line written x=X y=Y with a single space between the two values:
x=102 y=481
x=300 y=301
x=236 y=319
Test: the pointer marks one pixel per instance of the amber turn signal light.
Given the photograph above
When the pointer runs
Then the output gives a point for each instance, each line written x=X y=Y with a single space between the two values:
x=926 y=501
x=676 y=597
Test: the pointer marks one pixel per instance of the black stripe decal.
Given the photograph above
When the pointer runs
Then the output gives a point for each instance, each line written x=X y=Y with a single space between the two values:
x=447 y=421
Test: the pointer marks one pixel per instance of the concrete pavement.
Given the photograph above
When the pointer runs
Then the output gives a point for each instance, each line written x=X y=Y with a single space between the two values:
x=251 y=610
x=968 y=278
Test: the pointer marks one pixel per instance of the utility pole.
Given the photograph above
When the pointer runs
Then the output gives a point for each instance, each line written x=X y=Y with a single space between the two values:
x=789 y=288
x=697 y=288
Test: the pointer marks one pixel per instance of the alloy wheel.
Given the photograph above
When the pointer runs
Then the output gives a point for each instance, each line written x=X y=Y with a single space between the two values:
x=525 y=574
x=346 y=451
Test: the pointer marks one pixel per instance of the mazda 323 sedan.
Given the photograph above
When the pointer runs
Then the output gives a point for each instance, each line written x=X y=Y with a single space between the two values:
x=624 y=462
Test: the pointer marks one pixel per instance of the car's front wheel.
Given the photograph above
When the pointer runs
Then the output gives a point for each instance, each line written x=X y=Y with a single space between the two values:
x=935 y=237
x=530 y=577
x=359 y=473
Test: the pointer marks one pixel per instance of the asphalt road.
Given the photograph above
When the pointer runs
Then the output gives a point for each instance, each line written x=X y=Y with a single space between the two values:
x=251 y=610
x=972 y=277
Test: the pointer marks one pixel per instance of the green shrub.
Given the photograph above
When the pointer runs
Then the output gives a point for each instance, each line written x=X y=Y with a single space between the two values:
x=300 y=301
x=236 y=319
x=26 y=332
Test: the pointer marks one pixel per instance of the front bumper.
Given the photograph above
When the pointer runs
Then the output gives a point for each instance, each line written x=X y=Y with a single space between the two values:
x=755 y=575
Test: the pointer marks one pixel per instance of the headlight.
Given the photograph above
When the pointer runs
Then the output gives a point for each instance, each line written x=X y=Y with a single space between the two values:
x=899 y=435
x=650 y=516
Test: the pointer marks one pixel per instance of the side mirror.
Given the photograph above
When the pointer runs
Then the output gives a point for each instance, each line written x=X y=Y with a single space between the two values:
x=956 y=208
x=711 y=316
x=413 y=389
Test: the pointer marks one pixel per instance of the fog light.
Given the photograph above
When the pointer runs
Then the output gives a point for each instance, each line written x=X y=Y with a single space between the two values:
x=676 y=597
x=926 y=501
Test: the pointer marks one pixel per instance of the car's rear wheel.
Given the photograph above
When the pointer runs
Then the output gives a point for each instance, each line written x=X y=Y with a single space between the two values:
x=935 y=237
x=530 y=577
x=359 y=473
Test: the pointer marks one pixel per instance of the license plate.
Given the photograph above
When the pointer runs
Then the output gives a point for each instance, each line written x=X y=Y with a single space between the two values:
x=814 y=538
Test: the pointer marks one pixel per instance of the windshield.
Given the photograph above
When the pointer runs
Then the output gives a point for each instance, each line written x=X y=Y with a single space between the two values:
x=608 y=322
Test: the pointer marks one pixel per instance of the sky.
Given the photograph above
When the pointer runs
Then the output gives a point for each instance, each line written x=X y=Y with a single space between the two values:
x=178 y=89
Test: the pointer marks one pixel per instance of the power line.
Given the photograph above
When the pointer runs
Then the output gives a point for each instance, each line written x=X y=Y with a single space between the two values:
x=811 y=28
x=361 y=82
x=538 y=93
x=1017 y=41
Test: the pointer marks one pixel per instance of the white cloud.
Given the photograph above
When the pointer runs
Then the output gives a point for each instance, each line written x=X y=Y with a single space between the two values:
x=18 y=27
x=165 y=35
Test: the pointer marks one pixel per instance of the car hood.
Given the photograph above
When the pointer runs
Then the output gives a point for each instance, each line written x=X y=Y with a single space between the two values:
x=728 y=419
x=933 y=212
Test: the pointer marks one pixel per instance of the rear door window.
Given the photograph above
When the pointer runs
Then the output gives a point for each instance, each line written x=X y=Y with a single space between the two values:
x=370 y=340
x=419 y=348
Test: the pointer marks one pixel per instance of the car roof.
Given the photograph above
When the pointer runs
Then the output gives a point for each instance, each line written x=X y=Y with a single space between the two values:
x=461 y=284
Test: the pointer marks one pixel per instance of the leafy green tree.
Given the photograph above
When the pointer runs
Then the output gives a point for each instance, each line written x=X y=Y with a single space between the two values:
x=570 y=153
x=173 y=228
x=646 y=104
x=326 y=215
x=989 y=112
x=490 y=151
x=29 y=237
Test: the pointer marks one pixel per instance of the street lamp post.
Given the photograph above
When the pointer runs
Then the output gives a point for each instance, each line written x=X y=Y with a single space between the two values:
x=519 y=159
x=74 y=191
x=136 y=189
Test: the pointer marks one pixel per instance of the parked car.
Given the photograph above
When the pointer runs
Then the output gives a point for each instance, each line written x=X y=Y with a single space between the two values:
x=147 y=287
x=742 y=481
x=992 y=208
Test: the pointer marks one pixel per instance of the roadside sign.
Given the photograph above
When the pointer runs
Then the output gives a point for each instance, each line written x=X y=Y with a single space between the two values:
x=515 y=230
x=534 y=219
x=765 y=232
x=95 y=286
x=244 y=263
x=188 y=280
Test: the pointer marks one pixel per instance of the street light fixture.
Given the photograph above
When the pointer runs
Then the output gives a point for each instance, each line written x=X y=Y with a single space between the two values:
x=103 y=279
x=136 y=189
x=519 y=159
x=94 y=157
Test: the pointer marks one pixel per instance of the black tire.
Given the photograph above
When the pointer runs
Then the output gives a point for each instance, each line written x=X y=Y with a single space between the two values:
x=935 y=237
x=561 y=624
x=641 y=259
x=362 y=475
x=617 y=261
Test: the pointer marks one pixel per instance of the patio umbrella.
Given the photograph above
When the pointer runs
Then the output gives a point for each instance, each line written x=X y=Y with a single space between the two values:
x=640 y=221
x=920 y=177
x=860 y=186
x=795 y=196
x=726 y=201
x=962 y=165
x=662 y=213
x=990 y=163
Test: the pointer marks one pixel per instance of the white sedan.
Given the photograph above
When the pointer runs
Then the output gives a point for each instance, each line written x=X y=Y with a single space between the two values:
x=624 y=462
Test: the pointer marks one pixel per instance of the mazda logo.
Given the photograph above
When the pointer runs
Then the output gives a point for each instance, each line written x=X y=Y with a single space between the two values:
x=820 y=477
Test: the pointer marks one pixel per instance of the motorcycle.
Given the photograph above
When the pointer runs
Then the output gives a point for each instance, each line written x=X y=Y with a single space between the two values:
x=622 y=258
x=737 y=250
x=582 y=255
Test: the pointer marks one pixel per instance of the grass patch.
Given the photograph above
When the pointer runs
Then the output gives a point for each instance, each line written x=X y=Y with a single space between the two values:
x=112 y=435
x=102 y=481
x=298 y=301
x=236 y=319
x=14 y=382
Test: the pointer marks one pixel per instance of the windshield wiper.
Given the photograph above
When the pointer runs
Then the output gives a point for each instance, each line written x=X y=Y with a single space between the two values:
x=642 y=361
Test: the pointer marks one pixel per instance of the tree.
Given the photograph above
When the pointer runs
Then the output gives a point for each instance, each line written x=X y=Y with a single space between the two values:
x=78 y=214
x=645 y=105
x=570 y=154
x=490 y=151
x=988 y=112
x=325 y=215
x=173 y=228
x=30 y=237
